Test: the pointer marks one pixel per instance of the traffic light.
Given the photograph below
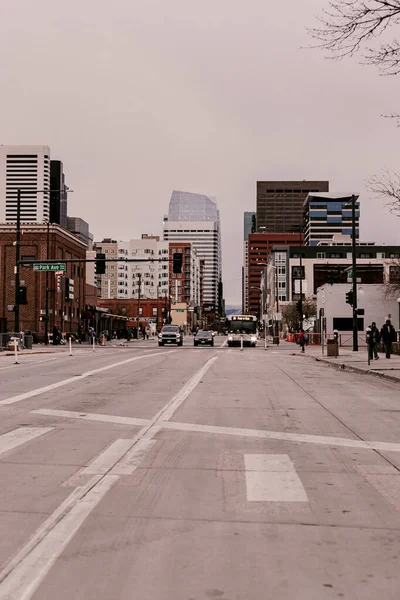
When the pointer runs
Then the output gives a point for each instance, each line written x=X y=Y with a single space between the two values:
x=349 y=297
x=22 y=299
x=177 y=262
x=100 y=265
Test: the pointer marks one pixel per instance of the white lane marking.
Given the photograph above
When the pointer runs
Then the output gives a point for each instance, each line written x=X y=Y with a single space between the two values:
x=287 y=437
x=24 y=574
x=272 y=478
x=174 y=404
x=22 y=435
x=108 y=458
x=53 y=386
x=26 y=364
x=234 y=431
x=70 y=414
x=130 y=462
x=224 y=344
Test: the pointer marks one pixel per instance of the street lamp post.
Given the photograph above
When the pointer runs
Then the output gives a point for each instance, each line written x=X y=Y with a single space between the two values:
x=354 y=272
x=138 y=309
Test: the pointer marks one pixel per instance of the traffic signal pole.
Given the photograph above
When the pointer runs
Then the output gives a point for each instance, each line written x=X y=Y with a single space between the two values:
x=17 y=262
x=354 y=272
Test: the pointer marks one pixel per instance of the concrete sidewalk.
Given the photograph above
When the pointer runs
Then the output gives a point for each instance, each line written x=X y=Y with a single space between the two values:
x=358 y=361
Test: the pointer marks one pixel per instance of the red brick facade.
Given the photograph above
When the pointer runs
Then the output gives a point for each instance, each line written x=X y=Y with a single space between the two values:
x=153 y=309
x=260 y=245
x=63 y=245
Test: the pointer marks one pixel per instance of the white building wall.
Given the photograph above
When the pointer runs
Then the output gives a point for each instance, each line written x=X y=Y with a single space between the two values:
x=154 y=275
x=35 y=206
x=370 y=297
x=205 y=239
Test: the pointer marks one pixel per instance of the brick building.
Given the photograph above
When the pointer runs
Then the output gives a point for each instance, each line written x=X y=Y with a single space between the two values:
x=260 y=245
x=61 y=245
x=153 y=310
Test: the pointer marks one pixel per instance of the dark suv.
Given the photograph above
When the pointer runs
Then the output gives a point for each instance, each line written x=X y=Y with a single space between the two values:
x=204 y=337
x=170 y=334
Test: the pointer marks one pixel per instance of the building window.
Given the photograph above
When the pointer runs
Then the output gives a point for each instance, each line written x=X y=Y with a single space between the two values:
x=321 y=255
x=154 y=312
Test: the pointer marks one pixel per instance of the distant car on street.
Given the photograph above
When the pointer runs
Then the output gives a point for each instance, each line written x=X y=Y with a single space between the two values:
x=204 y=338
x=170 y=334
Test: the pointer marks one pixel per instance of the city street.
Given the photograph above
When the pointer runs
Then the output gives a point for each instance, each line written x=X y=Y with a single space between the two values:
x=139 y=472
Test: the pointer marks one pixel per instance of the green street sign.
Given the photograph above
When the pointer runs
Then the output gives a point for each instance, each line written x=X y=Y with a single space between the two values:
x=49 y=267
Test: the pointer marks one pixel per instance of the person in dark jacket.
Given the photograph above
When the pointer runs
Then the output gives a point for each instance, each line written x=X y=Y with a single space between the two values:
x=56 y=335
x=388 y=336
x=374 y=341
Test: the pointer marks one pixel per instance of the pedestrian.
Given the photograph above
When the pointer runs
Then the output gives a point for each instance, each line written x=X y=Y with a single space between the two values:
x=301 y=340
x=388 y=335
x=374 y=340
x=56 y=335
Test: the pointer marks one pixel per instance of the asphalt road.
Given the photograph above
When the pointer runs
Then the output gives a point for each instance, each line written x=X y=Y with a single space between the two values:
x=194 y=474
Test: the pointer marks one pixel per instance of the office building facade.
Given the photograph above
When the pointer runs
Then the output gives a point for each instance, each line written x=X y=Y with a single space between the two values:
x=58 y=195
x=327 y=216
x=195 y=218
x=249 y=226
x=26 y=168
x=280 y=204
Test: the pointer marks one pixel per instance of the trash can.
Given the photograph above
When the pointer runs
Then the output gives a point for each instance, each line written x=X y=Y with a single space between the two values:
x=276 y=339
x=332 y=348
x=28 y=340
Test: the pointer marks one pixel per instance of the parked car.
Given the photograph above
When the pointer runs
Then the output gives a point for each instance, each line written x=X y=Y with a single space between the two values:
x=170 y=334
x=204 y=338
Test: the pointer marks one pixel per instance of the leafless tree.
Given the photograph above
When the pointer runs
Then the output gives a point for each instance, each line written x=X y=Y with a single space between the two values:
x=291 y=315
x=387 y=185
x=348 y=27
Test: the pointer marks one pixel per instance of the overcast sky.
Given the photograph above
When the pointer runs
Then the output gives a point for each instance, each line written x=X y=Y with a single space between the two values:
x=138 y=98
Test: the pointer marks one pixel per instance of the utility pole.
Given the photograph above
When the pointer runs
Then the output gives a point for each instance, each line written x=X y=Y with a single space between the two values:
x=138 y=309
x=46 y=323
x=354 y=272
x=277 y=304
x=17 y=259
x=301 y=284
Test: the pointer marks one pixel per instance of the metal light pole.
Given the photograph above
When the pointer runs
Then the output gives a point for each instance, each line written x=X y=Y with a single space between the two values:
x=354 y=272
x=17 y=259
x=301 y=284
x=138 y=309
x=46 y=324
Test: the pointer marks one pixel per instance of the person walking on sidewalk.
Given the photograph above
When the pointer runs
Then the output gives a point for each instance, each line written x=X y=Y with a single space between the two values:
x=301 y=340
x=373 y=342
x=388 y=335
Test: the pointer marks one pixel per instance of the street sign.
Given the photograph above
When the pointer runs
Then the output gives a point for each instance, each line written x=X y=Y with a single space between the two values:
x=10 y=307
x=49 y=267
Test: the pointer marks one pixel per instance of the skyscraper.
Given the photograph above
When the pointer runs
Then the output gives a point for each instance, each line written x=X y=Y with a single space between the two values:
x=195 y=218
x=249 y=226
x=26 y=168
x=280 y=204
x=327 y=216
x=58 y=197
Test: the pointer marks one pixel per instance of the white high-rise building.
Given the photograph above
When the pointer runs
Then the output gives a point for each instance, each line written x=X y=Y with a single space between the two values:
x=153 y=275
x=195 y=218
x=26 y=168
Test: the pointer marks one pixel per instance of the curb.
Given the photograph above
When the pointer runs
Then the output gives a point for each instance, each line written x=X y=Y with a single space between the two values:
x=349 y=369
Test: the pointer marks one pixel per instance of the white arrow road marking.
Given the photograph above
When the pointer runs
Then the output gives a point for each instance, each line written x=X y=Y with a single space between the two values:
x=53 y=386
x=22 y=435
x=272 y=478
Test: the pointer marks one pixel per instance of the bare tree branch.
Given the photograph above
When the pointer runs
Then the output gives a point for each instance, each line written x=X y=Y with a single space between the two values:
x=387 y=185
x=348 y=26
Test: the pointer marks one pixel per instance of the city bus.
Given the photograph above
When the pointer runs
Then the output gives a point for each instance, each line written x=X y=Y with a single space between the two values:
x=242 y=327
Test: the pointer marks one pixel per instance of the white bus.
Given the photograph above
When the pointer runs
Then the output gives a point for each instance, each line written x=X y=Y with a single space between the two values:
x=242 y=327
